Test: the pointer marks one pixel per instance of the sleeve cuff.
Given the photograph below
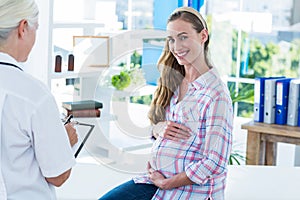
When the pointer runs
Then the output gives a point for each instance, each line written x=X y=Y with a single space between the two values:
x=195 y=175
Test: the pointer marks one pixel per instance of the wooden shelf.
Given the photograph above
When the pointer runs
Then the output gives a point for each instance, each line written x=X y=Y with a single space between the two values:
x=262 y=141
x=274 y=129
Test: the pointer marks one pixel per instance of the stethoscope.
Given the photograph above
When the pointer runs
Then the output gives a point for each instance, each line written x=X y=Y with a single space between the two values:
x=10 y=64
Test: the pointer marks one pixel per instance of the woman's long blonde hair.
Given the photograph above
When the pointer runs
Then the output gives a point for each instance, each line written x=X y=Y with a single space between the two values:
x=172 y=73
x=171 y=76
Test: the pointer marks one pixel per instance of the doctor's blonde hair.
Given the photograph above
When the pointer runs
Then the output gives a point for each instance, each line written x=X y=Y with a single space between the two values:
x=12 y=12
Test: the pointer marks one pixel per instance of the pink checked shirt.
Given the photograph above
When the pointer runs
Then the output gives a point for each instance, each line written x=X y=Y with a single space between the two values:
x=207 y=110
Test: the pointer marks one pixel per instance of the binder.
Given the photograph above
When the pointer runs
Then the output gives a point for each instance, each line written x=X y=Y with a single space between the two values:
x=298 y=113
x=282 y=96
x=259 y=93
x=270 y=100
x=292 y=116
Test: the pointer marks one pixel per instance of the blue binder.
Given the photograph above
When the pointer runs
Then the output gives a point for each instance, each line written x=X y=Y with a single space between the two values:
x=282 y=98
x=259 y=97
x=259 y=92
x=270 y=100
x=298 y=124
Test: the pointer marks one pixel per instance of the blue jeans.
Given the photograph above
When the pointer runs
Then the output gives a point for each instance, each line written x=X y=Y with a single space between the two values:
x=131 y=191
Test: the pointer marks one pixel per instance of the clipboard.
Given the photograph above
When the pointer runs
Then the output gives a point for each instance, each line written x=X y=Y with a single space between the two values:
x=86 y=136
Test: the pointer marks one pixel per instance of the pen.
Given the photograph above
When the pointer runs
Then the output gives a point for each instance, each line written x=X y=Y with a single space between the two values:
x=68 y=119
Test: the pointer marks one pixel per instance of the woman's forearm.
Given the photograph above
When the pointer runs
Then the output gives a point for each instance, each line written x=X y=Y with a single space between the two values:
x=178 y=180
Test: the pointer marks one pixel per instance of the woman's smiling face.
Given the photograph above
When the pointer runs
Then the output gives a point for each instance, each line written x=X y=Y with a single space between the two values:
x=184 y=42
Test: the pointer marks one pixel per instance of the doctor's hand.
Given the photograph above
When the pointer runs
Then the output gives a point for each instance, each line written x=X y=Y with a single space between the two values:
x=73 y=137
x=171 y=130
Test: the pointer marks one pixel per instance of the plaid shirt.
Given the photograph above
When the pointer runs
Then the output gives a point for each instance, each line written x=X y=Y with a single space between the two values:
x=207 y=110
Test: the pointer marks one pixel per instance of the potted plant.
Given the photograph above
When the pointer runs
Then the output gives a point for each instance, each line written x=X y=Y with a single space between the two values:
x=131 y=76
x=245 y=94
x=121 y=81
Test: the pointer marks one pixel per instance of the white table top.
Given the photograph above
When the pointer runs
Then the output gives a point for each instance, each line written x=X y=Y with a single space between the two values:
x=249 y=182
x=91 y=180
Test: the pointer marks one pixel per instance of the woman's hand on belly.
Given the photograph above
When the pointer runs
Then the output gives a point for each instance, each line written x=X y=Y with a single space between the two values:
x=172 y=130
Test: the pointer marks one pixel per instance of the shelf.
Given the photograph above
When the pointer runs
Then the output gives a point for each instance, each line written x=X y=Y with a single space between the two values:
x=273 y=129
x=262 y=139
x=139 y=91
x=88 y=72
x=78 y=24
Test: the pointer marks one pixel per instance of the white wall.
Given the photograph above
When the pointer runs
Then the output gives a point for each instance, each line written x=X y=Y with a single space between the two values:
x=37 y=64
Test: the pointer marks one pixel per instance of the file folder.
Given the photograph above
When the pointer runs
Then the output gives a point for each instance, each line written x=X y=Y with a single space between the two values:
x=259 y=97
x=292 y=116
x=270 y=100
x=298 y=113
x=282 y=96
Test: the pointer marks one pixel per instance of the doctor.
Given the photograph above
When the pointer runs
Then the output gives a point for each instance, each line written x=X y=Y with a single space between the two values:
x=35 y=149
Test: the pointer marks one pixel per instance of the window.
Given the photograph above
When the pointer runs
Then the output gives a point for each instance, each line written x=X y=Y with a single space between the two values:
x=263 y=40
x=262 y=36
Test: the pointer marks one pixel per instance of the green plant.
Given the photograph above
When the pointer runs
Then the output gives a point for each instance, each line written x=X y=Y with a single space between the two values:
x=130 y=75
x=244 y=94
x=236 y=157
x=135 y=60
x=146 y=99
x=121 y=81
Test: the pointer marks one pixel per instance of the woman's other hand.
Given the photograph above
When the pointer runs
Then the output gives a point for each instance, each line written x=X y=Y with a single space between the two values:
x=157 y=178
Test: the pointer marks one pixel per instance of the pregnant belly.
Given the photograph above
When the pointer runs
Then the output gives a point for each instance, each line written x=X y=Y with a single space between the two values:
x=171 y=157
